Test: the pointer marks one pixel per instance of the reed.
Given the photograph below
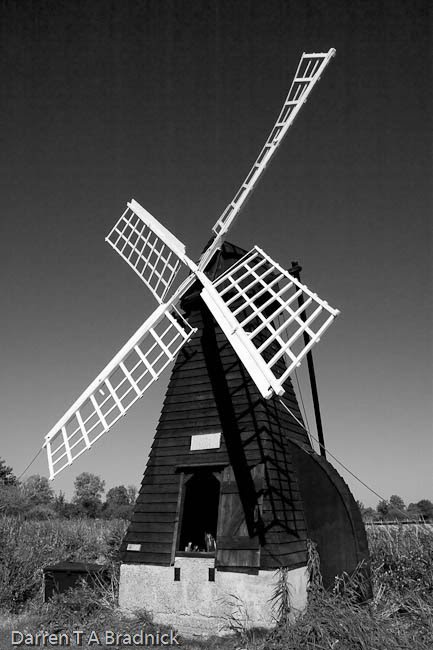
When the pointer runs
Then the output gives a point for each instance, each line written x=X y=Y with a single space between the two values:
x=400 y=615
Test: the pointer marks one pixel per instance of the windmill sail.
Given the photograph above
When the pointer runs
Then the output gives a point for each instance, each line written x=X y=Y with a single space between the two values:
x=153 y=252
x=256 y=302
x=156 y=255
x=308 y=73
x=138 y=364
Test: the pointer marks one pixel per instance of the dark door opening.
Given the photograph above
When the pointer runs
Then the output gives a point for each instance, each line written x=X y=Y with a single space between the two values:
x=200 y=513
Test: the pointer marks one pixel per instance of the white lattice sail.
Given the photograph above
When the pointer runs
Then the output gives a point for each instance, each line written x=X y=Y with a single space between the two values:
x=263 y=311
x=153 y=252
x=255 y=303
x=308 y=73
x=124 y=380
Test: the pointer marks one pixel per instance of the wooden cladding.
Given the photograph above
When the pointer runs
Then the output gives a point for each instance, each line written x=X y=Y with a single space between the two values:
x=260 y=511
x=237 y=543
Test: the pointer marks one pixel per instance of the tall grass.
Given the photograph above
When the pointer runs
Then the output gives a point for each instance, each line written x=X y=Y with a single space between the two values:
x=402 y=560
x=400 y=615
x=26 y=547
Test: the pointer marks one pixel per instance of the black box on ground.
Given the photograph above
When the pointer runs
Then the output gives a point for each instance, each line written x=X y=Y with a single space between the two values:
x=58 y=578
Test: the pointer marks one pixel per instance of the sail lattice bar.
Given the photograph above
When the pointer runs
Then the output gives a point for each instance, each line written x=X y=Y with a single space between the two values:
x=267 y=311
x=152 y=251
x=308 y=73
x=125 y=379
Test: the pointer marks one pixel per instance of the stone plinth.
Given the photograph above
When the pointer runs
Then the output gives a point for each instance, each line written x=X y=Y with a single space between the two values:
x=196 y=606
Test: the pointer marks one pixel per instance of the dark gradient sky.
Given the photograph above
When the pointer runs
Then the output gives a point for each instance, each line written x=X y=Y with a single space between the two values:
x=169 y=102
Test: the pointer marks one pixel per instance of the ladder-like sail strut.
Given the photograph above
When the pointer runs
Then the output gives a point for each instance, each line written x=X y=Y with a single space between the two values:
x=308 y=73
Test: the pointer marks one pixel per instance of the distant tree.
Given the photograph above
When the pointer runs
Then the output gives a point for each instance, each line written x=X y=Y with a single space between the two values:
x=368 y=514
x=89 y=489
x=89 y=507
x=72 y=510
x=13 y=501
x=413 y=512
x=118 y=496
x=88 y=485
x=60 y=503
x=64 y=509
x=118 y=503
x=397 y=508
x=382 y=509
x=38 y=491
x=397 y=502
x=426 y=508
x=7 y=477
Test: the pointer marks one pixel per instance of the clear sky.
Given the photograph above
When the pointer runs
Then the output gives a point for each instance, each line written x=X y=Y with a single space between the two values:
x=169 y=103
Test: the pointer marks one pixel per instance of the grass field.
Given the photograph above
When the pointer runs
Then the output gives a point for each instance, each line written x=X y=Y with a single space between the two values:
x=399 y=616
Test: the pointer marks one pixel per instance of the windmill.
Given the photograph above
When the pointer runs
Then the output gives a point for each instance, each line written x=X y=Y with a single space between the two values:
x=229 y=491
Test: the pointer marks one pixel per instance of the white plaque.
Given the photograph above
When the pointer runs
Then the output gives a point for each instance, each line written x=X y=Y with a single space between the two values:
x=205 y=441
x=133 y=547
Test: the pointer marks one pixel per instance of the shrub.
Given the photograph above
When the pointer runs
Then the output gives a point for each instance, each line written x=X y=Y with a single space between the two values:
x=13 y=501
x=26 y=547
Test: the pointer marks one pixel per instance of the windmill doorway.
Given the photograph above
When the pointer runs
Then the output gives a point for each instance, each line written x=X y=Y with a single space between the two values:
x=199 y=521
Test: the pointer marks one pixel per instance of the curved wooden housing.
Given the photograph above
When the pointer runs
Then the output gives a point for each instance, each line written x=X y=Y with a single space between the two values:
x=334 y=522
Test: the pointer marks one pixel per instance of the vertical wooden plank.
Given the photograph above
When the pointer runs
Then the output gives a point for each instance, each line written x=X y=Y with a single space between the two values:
x=178 y=519
x=235 y=547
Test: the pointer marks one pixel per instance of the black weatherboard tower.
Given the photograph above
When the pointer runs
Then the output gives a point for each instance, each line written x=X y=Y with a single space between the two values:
x=232 y=489
x=228 y=463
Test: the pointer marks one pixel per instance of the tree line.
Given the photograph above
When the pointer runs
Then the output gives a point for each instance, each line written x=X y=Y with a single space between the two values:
x=34 y=498
x=396 y=510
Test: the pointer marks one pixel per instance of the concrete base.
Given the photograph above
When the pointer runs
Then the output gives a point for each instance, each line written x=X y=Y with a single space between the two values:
x=195 y=606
